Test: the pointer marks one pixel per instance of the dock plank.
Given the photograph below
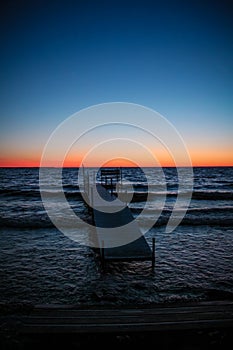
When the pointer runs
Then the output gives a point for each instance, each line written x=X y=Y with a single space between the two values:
x=124 y=242
x=42 y=320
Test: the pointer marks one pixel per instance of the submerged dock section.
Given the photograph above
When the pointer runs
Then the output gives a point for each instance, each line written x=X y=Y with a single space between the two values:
x=118 y=235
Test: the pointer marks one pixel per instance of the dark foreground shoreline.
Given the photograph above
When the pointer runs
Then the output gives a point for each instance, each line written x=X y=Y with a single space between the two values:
x=190 y=325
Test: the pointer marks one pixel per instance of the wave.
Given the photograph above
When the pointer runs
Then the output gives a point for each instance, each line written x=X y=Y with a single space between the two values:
x=212 y=210
x=72 y=192
x=195 y=195
x=190 y=221
x=213 y=195
x=17 y=192
x=27 y=224
x=162 y=221
x=37 y=193
x=193 y=217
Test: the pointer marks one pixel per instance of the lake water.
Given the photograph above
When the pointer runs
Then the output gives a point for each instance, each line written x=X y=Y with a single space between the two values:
x=39 y=264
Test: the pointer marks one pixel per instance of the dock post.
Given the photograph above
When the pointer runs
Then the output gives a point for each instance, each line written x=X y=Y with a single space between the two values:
x=102 y=253
x=153 y=252
x=88 y=185
x=126 y=197
x=84 y=180
x=91 y=196
x=111 y=187
x=91 y=204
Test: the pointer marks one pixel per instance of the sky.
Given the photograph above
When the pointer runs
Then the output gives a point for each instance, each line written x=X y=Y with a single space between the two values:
x=59 y=57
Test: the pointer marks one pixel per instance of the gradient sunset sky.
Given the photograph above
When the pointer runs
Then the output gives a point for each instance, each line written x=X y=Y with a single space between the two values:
x=58 y=57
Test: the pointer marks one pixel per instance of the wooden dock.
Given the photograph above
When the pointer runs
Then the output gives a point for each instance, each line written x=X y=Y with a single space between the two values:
x=117 y=234
x=155 y=323
x=96 y=319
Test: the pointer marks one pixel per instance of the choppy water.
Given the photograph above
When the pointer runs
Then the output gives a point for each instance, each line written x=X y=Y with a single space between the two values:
x=38 y=264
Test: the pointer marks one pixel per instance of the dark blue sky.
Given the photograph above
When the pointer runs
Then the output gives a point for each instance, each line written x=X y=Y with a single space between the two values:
x=58 y=57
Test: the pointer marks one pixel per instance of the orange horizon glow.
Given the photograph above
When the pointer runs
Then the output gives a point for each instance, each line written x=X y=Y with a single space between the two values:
x=37 y=165
x=198 y=159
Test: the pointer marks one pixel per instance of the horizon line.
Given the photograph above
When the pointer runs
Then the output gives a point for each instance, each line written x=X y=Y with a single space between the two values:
x=94 y=167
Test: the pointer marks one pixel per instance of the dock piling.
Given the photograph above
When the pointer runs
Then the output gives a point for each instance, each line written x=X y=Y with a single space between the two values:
x=102 y=253
x=153 y=252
